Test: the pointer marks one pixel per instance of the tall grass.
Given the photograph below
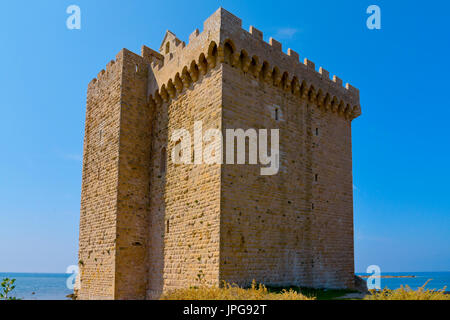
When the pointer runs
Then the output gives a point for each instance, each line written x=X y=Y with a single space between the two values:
x=406 y=293
x=232 y=292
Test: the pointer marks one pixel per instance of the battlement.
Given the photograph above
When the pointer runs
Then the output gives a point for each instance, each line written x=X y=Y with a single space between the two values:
x=249 y=50
x=178 y=64
x=105 y=73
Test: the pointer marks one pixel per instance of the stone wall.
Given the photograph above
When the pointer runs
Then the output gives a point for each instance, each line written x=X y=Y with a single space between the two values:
x=98 y=219
x=185 y=202
x=133 y=186
x=287 y=228
x=148 y=225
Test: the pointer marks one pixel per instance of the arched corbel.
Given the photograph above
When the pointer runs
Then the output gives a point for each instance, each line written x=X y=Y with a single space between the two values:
x=245 y=61
x=178 y=83
x=171 y=89
x=327 y=102
x=229 y=49
x=255 y=67
x=295 y=86
x=164 y=94
x=285 y=83
x=341 y=107
x=157 y=98
x=235 y=59
x=194 y=71
x=202 y=64
x=334 y=104
x=320 y=99
x=304 y=90
x=276 y=77
x=266 y=72
x=212 y=55
x=151 y=102
x=186 y=78
x=220 y=54
x=312 y=94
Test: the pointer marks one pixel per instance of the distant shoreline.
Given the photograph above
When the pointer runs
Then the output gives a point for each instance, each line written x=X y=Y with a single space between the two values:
x=389 y=276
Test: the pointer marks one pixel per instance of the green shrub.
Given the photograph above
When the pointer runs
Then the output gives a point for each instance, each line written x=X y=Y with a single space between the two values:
x=6 y=287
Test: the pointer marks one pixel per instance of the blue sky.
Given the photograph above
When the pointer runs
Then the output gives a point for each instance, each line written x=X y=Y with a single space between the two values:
x=400 y=143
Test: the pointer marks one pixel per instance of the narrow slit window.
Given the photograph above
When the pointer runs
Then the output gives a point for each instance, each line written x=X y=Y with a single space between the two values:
x=163 y=161
x=276 y=114
x=317 y=131
x=316 y=177
x=167 y=226
x=167 y=47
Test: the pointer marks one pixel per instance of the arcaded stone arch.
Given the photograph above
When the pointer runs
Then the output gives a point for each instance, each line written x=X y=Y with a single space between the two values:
x=295 y=86
x=229 y=50
x=356 y=112
x=334 y=104
x=327 y=102
x=186 y=77
x=244 y=61
x=285 y=84
x=212 y=55
x=164 y=94
x=171 y=89
x=255 y=66
x=312 y=94
x=202 y=64
x=272 y=75
x=276 y=76
x=304 y=89
x=194 y=71
x=341 y=107
x=151 y=101
x=347 y=111
x=178 y=83
x=266 y=72
x=212 y=49
x=320 y=98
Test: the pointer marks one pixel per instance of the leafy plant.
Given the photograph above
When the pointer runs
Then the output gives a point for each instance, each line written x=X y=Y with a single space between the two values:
x=7 y=286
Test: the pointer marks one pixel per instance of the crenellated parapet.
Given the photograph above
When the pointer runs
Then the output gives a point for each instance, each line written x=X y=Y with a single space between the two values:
x=224 y=41
x=178 y=65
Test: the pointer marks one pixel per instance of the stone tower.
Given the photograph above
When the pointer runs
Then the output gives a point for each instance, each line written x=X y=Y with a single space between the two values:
x=149 y=225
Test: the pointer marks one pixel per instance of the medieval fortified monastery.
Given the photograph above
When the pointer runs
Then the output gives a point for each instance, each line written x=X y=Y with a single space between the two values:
x=150 y=225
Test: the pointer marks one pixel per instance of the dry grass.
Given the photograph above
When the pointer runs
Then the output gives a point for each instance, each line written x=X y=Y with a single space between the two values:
x=406 y=293
x=233 y=292
x=260 y=292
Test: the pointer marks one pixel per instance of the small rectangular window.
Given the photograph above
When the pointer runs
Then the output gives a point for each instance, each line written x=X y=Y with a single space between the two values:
x=162 y=165
x=317 y=131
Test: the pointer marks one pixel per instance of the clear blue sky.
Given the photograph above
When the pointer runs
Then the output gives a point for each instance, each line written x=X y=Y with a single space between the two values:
x=400 y=144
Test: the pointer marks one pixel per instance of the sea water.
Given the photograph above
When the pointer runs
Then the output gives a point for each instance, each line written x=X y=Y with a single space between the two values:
x=436 y=280
x=53 y=286
x=39 y=286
